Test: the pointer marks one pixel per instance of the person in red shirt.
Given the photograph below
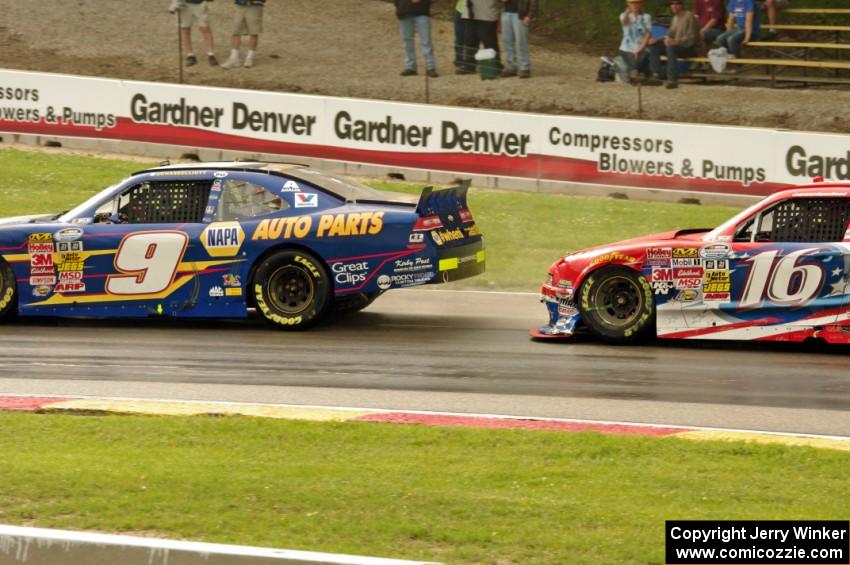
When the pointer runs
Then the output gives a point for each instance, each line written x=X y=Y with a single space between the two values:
x=710 y=15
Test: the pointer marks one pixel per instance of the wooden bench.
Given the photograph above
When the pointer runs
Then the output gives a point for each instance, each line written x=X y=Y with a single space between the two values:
x=798 y=44
x=772 y=66
x=808 y=27
x=825 y=11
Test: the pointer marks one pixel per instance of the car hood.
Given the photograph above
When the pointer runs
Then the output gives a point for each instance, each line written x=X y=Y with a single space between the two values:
x=685 y=237
x=15 y=220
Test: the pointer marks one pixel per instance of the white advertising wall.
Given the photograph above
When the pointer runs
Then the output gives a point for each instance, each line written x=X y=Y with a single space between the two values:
x=627 y=153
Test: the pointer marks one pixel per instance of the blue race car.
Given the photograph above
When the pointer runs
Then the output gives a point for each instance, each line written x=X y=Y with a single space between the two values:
x=216 y=239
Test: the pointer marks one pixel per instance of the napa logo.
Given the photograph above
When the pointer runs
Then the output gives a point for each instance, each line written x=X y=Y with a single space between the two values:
x=223 y=239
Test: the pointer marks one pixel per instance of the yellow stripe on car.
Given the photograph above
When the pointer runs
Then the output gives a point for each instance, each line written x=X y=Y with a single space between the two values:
x=448 y=264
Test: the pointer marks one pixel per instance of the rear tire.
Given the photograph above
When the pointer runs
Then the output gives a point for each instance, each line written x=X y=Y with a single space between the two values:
x=8 y=291
x=617 y=305
x=292 y=289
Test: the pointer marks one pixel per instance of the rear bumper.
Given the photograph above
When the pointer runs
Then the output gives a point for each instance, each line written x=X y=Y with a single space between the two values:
x=456 y=263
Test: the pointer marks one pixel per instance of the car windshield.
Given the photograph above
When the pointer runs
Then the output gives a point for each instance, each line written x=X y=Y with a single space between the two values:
x=730 y=223
x=74 y=214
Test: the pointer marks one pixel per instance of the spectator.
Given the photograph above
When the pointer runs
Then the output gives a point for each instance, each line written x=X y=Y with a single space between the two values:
x=458 y=24
x=680 y=42
x=415 y=16
x=772 y=7
x=516 y=19
x=637 y=31
x=742 y=26
x=710 y=15
x=192 y=11
x=248 y=20
x=480 y=22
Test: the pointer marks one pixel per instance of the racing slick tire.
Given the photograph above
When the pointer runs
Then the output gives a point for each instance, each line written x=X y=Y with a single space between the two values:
x=356 y=302
x=617 y=305
x=8 y=291
x=292 y=289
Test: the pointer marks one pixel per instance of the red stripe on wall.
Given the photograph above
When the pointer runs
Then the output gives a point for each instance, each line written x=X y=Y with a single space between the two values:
x=546 y=167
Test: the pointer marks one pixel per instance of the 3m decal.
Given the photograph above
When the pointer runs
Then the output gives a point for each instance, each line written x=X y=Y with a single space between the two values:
x=223 y=239
x=147 y=262
x=659 y=275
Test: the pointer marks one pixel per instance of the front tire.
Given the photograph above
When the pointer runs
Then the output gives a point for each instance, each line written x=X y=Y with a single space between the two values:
x=617 y=305
x=292 y=289
x=8 y=291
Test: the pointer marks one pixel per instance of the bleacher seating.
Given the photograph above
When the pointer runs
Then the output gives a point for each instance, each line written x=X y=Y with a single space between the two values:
x=808 y=53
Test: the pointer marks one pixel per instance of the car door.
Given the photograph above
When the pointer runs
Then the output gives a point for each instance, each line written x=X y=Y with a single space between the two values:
x=141 y=254
x=782 y=270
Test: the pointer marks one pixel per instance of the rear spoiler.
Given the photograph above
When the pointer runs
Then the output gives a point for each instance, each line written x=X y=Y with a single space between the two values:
x=434 y=202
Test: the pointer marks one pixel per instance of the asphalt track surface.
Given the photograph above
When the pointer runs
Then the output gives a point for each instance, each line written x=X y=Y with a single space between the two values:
x=435 y=350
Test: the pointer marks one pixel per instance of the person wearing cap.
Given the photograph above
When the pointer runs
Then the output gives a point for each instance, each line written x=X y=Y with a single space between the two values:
x=680 y=42
x=637 y=30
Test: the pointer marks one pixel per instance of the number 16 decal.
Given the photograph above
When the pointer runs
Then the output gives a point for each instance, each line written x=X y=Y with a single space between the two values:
x=147 y=262
x=786 y=283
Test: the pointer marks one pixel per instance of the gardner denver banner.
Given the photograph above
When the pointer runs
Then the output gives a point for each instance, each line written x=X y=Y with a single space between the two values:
x=625 y=153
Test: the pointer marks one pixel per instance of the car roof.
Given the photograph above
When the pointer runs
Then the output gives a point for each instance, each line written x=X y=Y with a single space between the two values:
x=339 y=186
x=817 y=189
x=257 y=166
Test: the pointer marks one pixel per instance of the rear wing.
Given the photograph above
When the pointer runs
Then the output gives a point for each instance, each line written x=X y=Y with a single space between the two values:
x=442 y=201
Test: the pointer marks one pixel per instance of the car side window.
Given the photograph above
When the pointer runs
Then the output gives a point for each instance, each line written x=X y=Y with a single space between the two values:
x=242 y=199
x=804 y=220
x=158 y=202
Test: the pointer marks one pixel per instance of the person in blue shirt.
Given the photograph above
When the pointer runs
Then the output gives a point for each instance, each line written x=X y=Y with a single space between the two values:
x=742 y=26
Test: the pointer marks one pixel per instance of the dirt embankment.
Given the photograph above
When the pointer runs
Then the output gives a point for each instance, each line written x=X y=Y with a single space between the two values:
x=353 y=48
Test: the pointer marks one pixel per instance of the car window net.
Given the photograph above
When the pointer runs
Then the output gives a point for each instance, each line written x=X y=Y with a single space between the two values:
x=166 y=202
x=808 y=220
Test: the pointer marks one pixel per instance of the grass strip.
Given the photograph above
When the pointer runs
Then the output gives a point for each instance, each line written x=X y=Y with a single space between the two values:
x=524 y=232
x=446 y=494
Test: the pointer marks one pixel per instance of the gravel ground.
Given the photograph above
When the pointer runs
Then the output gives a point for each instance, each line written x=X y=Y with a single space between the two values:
x=353 y=48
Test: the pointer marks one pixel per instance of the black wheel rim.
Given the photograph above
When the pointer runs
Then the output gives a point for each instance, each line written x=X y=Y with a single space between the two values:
x=291 y=289
x=618 y=301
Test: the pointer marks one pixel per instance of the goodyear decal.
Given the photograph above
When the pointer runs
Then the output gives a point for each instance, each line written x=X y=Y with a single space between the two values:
x=223 y=239
x=613 y=257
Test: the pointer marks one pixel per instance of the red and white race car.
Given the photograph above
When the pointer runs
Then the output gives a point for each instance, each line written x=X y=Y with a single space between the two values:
x=778 y=271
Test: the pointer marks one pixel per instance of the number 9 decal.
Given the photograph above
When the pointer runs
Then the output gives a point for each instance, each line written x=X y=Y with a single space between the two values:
x=147 y=262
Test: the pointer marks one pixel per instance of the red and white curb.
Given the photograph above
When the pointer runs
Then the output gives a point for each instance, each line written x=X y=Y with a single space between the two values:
x=99 y=405
x=37 y=545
